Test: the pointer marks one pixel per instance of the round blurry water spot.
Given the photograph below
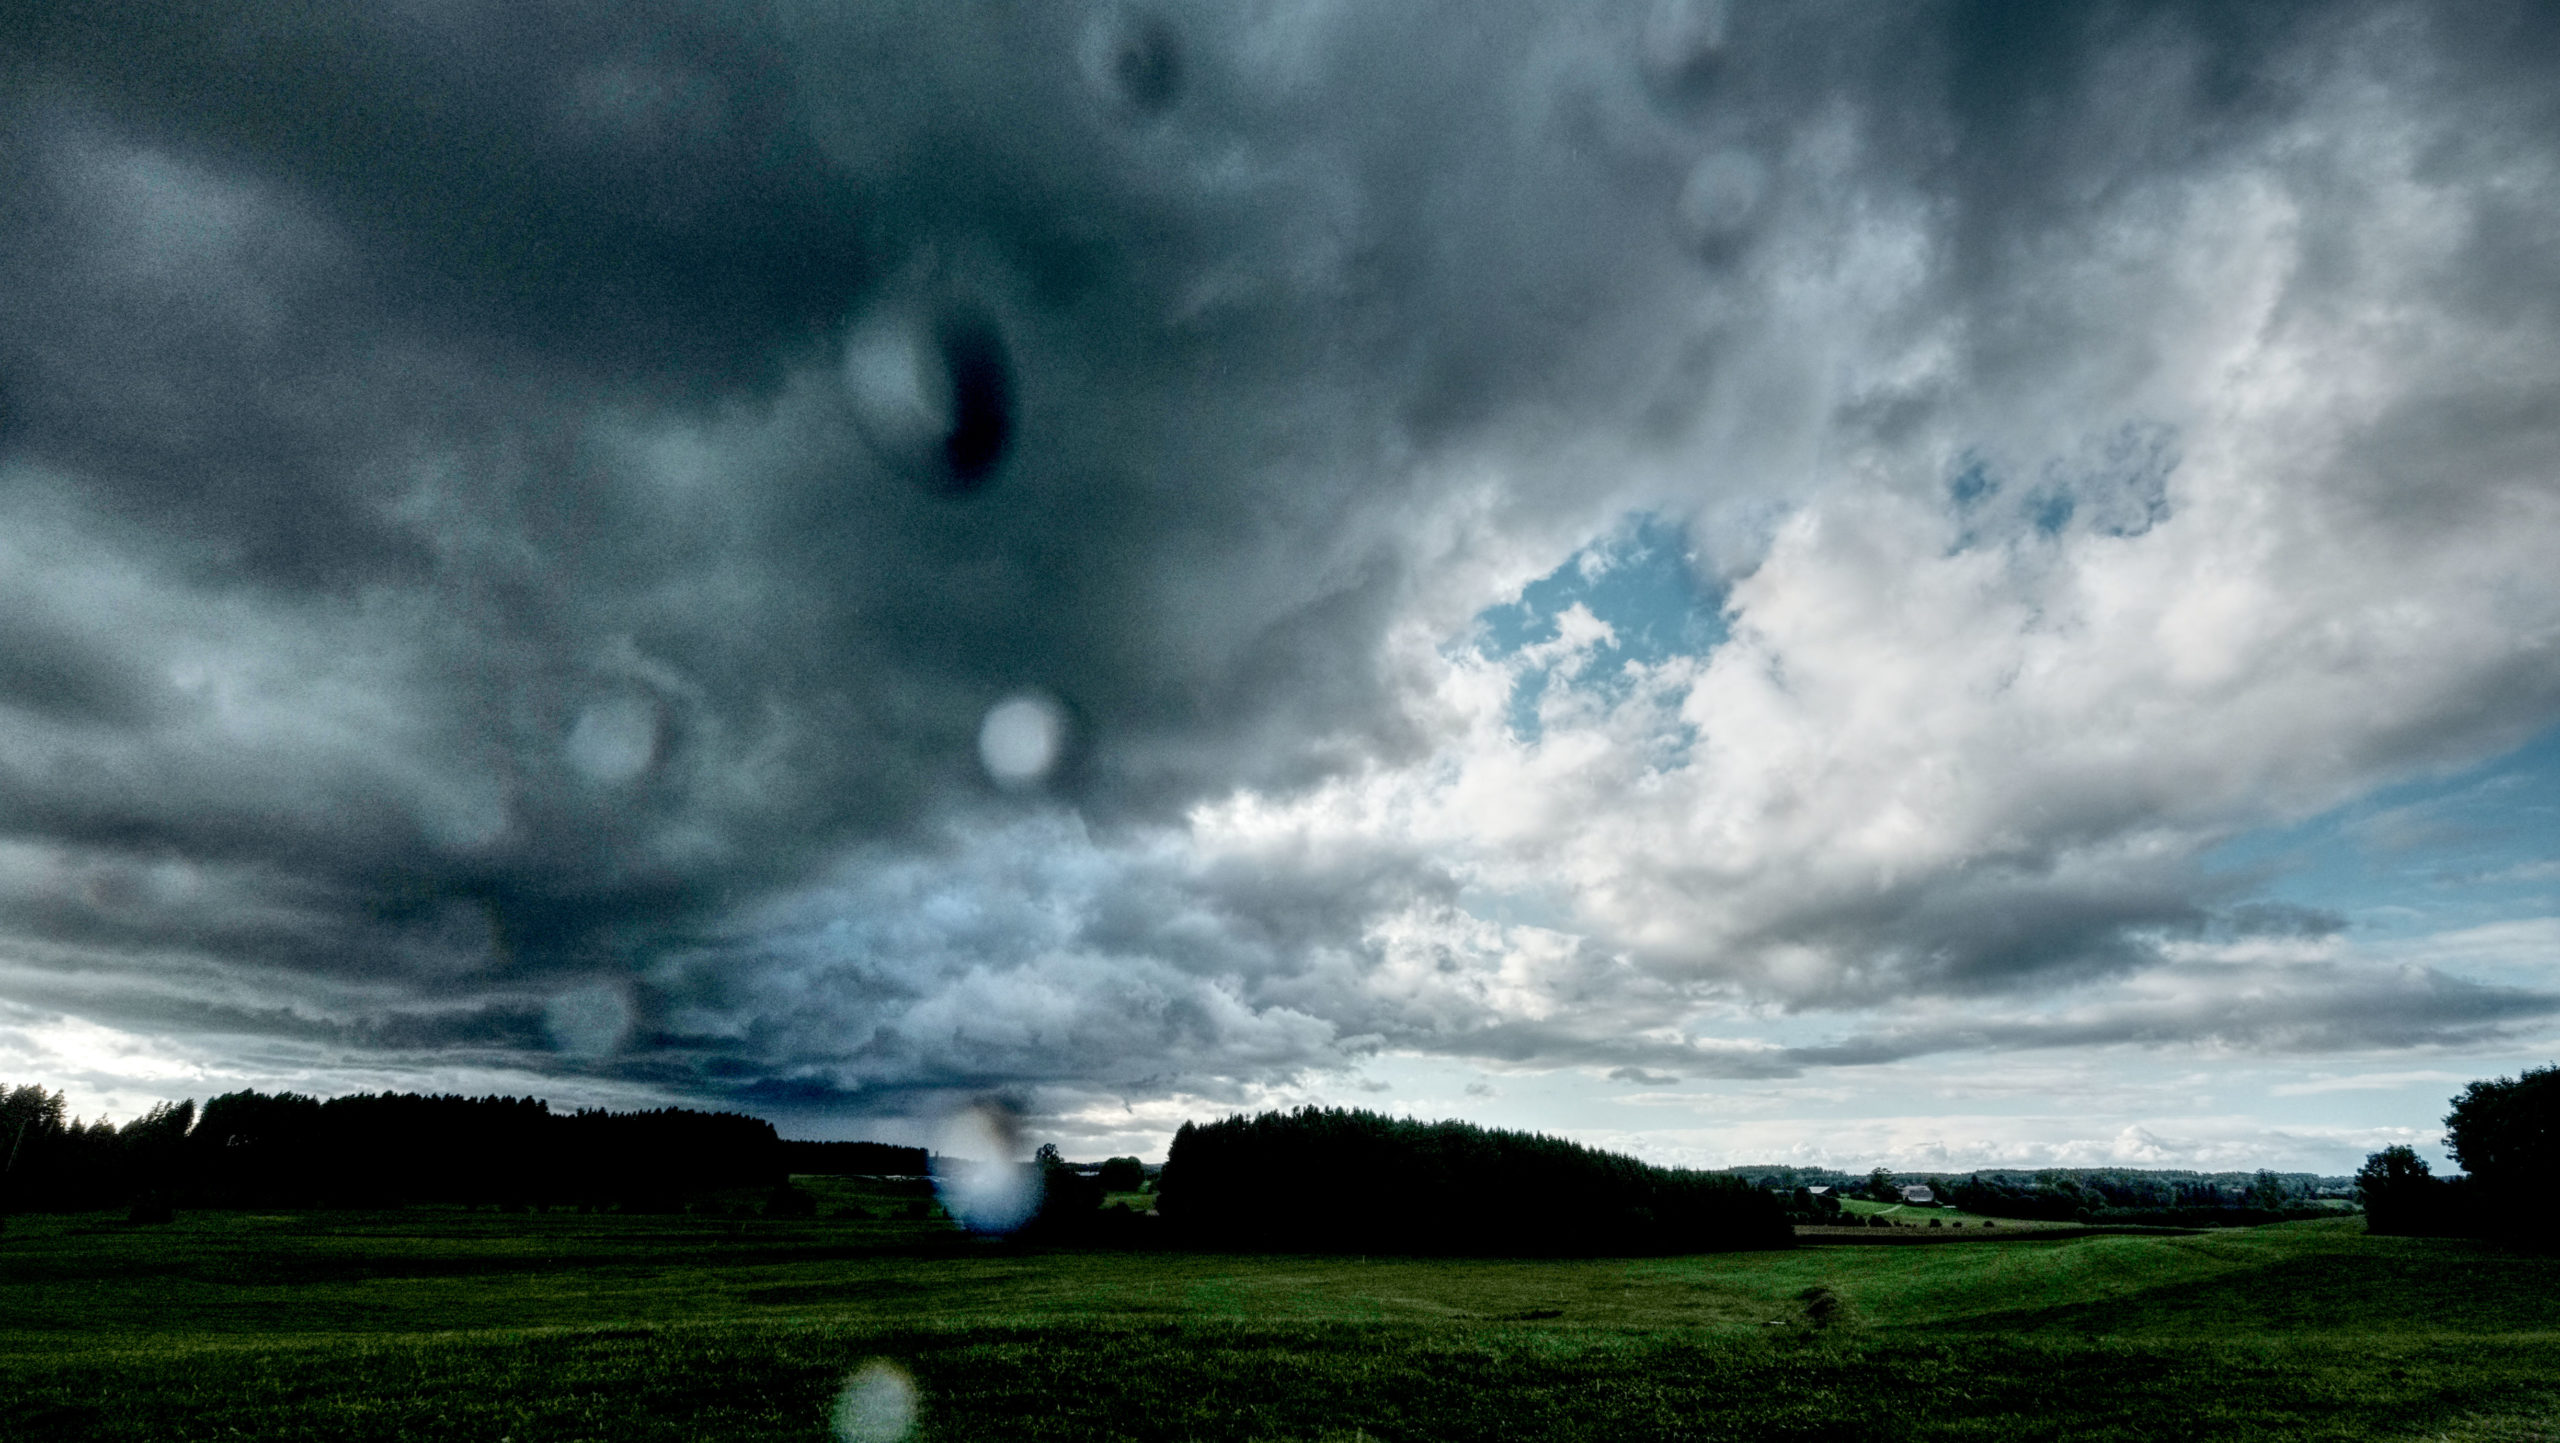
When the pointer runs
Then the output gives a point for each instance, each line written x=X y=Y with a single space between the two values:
x=1683 y=40
x=1021 y=739
x=1147 y=63
x=1720 y=202
x=1134 y=58
x=901 y=395
x=878 y=1404
x=589 y=1021
x=978 y=1174
x=980 y=378
x=613 y=740
x=932 y=396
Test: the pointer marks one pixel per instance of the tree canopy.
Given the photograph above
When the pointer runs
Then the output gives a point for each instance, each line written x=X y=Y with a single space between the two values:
x=2506 y=1133
x=1331 y=1179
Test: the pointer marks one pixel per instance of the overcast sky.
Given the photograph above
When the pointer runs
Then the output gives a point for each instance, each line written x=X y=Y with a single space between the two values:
x=1930 y=584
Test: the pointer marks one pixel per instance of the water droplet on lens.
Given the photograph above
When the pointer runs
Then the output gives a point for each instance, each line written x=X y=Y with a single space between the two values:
x=901 y=397
x=1683 y=41
x=613 y=740
x=1022 y=738
x=1134 y=61
x=933 y=399
x=878 y=1404
x=589 y=1021
x=1147 y=63
x=1720 y=202
x=978 y=1172
x=981 y=427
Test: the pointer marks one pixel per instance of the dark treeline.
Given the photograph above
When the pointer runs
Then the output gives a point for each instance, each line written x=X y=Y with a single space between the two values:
x=855 y=1159
x=2505 y=1135
x=1331 y=1180
x=254 y=1149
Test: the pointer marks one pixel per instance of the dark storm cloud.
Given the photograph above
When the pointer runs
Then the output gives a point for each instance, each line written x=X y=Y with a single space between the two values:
x=369 y=315
x=627 y=192
x=496 y=493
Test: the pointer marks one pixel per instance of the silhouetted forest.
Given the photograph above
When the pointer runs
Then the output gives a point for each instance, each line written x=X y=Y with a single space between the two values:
x=855 y=1159
x=1332 y=1180
x=255 y=1149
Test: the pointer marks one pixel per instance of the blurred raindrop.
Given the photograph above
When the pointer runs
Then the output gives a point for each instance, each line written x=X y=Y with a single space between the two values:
x=933 y=398
x=979 y=1173
x=467 y=815
x=458 y=936
x=1720 y=202
x=613 y=740
x=1146 y=62
x=878 y=1404
x=901 y=399
x=1683 y=41
x=589 y=1021
x=1022 y=739
x=981 y=429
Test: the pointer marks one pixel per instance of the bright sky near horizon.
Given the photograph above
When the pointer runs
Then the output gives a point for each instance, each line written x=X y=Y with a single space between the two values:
x=1939 y=585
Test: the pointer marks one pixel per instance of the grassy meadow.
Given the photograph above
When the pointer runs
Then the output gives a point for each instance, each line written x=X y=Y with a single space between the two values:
x=447 y=1324
x=1921 y=1217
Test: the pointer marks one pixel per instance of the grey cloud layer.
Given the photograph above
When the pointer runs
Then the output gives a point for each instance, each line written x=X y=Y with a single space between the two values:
x=467 y=537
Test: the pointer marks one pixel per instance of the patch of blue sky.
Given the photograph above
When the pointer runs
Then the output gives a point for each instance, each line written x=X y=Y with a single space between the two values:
x=2113 y=483
x=1526 y=909
x=1641 y=579
x=2434 y=855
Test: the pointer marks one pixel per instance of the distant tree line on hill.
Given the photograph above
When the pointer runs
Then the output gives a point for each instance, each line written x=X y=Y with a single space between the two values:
x=2269 y=1197
x=255 y=1149
x=1337 y=1180
x=2505 y=1135
x=2117 y=1196
x=2133 y=1196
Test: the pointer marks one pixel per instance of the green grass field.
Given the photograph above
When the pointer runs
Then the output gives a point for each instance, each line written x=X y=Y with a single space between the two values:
x=443 y=1324
x=1920 y=1217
